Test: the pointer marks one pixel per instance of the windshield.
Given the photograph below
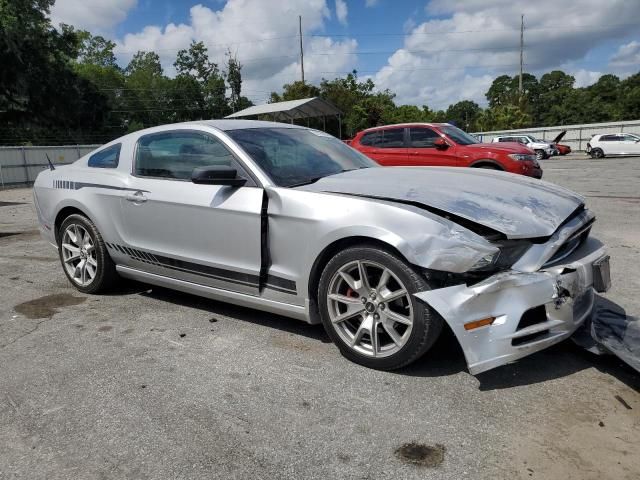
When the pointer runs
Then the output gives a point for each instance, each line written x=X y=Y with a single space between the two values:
x=295 y=156
x=459 y=136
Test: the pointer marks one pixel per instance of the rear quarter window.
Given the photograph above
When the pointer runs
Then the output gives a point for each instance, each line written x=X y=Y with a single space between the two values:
x=107 y=158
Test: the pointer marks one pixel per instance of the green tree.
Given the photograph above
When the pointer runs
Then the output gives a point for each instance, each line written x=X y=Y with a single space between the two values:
x=464 y=114
x=41 y=97
x=96 y=50
x=195 y=62
x=295 y=91
x=146 y=92
x=630 y=97
x=234 y=80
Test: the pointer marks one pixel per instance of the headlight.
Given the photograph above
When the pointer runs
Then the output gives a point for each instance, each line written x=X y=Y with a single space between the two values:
x=522 y=157
x=509 y=253
x=486 y=262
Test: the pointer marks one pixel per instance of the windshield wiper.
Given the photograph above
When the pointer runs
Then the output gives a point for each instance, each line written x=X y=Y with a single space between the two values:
x=315 y=179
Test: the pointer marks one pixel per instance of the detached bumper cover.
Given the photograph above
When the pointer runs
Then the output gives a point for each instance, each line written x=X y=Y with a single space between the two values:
x=564 y=296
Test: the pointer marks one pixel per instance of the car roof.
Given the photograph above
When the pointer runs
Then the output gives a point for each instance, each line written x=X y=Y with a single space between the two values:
x=412 y=124
x=232 y=124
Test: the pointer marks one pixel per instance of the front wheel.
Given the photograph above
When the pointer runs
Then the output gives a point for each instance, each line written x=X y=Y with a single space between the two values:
x=540 y=155
x=368 y=308
x=84 y=256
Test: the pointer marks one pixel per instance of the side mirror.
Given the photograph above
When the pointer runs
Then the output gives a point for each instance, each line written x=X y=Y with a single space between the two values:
x=217 y=175
x=441 y=144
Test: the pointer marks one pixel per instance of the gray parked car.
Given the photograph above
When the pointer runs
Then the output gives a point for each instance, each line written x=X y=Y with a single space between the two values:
x=290 y=220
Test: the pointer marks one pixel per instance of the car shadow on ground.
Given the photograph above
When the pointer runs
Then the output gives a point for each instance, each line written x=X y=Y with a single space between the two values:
x=444 y=359
x=216 y=308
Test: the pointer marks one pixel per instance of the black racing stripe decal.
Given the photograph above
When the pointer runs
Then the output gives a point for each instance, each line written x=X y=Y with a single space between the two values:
x=273 y=282
x=70 y=185
x=280 y=283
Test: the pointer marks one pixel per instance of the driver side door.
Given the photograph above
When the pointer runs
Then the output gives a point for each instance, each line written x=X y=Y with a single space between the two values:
x=204 y=234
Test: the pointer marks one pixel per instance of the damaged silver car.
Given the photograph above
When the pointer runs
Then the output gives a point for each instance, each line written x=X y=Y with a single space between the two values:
x=290 y=220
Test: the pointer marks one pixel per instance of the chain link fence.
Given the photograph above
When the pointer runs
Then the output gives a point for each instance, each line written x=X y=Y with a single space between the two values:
x=19 y=166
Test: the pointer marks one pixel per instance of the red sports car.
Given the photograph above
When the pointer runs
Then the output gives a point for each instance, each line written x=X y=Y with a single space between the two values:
x=563 y=149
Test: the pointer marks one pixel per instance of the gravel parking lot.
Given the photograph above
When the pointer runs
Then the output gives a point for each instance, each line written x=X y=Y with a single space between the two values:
x=148 y=383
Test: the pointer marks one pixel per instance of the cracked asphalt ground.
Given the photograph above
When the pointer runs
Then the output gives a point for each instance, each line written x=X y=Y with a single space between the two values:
x=148 y=383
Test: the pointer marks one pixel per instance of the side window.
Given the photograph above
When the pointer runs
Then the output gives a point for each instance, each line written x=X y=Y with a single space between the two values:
x=505 y=139
x=371 y=139
x=422 y=137
x=174 y=155
x=392 y=138
x=608 y=138
x=107 y=158
x=629 y=138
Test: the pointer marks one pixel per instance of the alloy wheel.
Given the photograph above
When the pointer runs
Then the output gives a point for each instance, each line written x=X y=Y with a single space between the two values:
x=79 y=255
x=370 y=308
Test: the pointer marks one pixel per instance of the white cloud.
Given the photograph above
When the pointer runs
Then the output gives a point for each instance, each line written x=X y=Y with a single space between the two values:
x=469 y=42
x=263 y=36
x=98 y=16
x=627 y=55
x=584 y=78
x=341 y=11
x=371 y=3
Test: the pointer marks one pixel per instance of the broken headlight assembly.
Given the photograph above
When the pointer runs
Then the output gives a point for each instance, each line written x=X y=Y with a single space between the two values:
x=509 y=252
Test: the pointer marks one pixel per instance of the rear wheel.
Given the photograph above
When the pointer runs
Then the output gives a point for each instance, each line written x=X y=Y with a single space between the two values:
x=368 y=308
x=84 y=256
x=597 y=153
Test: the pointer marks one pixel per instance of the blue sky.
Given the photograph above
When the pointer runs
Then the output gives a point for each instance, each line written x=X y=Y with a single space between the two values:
x=429 y=52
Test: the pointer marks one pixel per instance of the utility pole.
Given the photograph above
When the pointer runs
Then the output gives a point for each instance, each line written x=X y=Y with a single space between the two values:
x=301 y=51
x=521 y=53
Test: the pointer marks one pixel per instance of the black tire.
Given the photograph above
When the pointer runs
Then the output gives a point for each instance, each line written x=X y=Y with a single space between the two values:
x=427 y=323
x=541 y=155
x=106 y=275
x=596 y=153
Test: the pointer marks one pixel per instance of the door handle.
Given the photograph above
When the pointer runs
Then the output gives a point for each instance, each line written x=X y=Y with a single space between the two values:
x=137 y=197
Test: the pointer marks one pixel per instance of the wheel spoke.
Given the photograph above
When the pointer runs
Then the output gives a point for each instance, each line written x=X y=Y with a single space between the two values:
x=344 y=299
x=373 y=335
x=391 y=296
x=350 y=280
x=90 y=269
x=384 y=278
x=352 y=311
x=365 y=327
x=92 y=261
x=78 y=237
x=72 y=258
x=396 y=317
x=364 y=279
x=77 y=272
x=71 y=248
x=388 y=327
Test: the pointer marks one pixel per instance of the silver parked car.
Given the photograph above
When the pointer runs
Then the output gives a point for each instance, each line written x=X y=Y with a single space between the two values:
x=291 y=220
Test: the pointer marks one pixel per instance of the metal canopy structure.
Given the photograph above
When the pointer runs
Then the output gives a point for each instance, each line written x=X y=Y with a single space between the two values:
x=291 y=110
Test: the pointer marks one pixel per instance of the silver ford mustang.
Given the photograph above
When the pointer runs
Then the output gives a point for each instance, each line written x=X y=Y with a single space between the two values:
x=290 y=220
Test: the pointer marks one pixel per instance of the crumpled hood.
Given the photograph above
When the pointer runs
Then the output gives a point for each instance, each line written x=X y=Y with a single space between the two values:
x=517 y=206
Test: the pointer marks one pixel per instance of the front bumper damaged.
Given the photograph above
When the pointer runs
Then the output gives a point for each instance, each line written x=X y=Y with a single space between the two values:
x=529 y=310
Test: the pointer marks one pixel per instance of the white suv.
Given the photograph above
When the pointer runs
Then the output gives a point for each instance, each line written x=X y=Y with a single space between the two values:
x=614 y=144
x=543 y=149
